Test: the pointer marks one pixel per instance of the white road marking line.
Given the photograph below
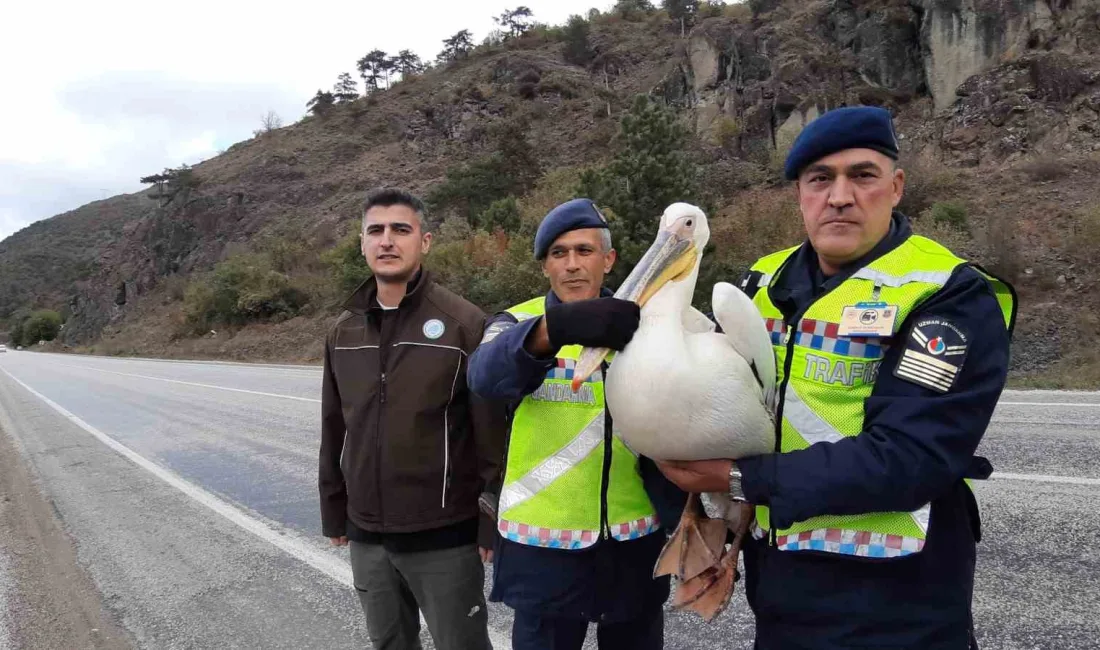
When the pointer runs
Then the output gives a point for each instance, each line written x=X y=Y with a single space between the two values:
x=285 y=539
x=1045 y=478
x=1048 y=404
x=247 y=365
x=192 y=383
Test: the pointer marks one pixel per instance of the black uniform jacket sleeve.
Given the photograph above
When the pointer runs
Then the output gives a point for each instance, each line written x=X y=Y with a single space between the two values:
x=921 y=426
x=501 y=368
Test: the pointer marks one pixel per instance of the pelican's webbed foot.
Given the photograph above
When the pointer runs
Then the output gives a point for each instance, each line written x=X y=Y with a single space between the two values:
x=696 y=554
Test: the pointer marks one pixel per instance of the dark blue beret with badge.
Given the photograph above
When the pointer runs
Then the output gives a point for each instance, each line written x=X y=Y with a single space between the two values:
x=851 y=127
x=571 y=215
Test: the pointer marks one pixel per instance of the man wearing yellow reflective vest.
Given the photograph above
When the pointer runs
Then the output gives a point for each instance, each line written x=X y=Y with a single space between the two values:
x=891 y=355
x=579 y=532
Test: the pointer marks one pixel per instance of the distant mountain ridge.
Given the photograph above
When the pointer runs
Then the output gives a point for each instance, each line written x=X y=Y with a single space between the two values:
x=997 y=104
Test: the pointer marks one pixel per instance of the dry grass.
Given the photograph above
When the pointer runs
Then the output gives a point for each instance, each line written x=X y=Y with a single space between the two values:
x=1046 y=169
x=954 y=239
x=1084 y=244
x=925 y=185
x=1079 y=369
x=754 y=224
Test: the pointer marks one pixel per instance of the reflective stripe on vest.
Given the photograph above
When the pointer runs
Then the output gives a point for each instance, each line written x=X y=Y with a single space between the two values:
x=830 y=376
x=553 y=486
x=554 y=467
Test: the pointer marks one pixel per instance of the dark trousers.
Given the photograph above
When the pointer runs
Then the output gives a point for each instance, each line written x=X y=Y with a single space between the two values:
x=532 y=631
x=447 y=585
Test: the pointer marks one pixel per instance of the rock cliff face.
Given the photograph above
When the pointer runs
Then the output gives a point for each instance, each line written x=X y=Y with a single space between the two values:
x=962 y=38
x=941 y=65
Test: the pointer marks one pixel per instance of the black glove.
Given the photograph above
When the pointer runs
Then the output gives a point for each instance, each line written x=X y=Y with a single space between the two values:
x=597 y=323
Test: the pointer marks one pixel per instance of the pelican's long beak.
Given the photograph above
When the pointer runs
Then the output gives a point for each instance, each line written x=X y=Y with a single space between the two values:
x=671 y=257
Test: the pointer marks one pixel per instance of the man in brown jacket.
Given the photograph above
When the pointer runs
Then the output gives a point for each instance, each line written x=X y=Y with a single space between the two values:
x=406 y=449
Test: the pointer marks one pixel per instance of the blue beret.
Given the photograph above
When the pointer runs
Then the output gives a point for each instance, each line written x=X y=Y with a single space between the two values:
x=851 y=127
x=571 y=215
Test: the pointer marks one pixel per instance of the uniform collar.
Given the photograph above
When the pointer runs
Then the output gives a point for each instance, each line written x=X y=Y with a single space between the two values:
x=800 y=280
x=553 y=299
x=365 y=298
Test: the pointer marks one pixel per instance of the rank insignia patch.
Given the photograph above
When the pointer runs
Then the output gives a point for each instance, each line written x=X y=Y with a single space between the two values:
x=934 y=355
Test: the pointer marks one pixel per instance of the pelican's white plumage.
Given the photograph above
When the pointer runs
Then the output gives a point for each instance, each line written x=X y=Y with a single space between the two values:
x=680 y=390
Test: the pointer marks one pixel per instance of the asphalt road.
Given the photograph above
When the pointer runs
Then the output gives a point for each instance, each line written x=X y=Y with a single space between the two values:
x=190 y=492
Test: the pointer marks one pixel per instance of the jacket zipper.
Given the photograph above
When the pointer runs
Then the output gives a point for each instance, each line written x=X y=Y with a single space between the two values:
x=605 y=529
x=790 y=334
x=447 y=433
x=383 y=346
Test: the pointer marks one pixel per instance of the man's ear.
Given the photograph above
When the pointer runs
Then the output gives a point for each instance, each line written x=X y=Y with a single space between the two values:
x=609 y=261
x=426 y=243
x=899 y=185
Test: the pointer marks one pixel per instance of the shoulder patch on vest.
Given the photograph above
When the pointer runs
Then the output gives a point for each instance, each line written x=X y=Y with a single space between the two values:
x=495 y=329
x=934 y=354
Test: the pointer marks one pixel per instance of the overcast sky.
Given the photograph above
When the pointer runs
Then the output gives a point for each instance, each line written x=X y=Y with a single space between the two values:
x=99 y=94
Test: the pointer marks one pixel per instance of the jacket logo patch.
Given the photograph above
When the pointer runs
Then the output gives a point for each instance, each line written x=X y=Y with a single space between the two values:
x=934 y=355
x=434 y=328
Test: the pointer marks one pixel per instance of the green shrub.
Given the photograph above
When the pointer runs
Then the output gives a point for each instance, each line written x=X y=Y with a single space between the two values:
x=951 y=213
x=243 y=288
x=503 y=214
x=494 y=271
x=470 y=189
x=726 y=132
x=41 y=325
x=346 y=263
x=15 y=334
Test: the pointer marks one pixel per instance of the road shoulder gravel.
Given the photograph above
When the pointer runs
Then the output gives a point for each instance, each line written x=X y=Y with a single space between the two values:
x=48 y=600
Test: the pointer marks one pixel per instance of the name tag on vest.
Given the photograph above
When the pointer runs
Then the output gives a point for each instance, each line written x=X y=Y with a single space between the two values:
x=868 y=320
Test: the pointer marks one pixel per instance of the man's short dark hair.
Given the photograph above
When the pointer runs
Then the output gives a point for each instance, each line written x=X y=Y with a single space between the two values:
x=390 y=196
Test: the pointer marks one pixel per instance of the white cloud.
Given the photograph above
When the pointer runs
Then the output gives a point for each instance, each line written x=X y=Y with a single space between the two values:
x=111 y=91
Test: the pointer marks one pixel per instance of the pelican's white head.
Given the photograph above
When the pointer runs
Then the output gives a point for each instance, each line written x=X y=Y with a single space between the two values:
x=683 y=212
x=674 y=256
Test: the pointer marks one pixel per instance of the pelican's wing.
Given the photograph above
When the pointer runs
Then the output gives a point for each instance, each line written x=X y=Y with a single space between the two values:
x=696 y=322
x=744 y=327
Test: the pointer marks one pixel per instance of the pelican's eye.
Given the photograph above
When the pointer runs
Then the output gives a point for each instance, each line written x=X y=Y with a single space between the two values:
x=689 y=223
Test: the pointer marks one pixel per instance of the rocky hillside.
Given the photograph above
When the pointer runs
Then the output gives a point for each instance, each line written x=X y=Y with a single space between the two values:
x=997 y=103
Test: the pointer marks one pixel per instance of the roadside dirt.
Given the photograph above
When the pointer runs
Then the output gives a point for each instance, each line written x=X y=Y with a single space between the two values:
x=47 y=601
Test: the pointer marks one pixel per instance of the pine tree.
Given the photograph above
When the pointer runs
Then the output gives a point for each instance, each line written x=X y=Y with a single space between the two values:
x=650 y=171
x=345 y=90
x=456 y=47
x=515 y=22
x=388 y=66
x=633 y=9
x=682 y=11
x=372 y=68
x=408 y=63
x=321 y=102
x=578 y=50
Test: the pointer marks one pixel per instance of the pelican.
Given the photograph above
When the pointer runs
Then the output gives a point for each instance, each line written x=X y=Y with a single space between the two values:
x=682 y=391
